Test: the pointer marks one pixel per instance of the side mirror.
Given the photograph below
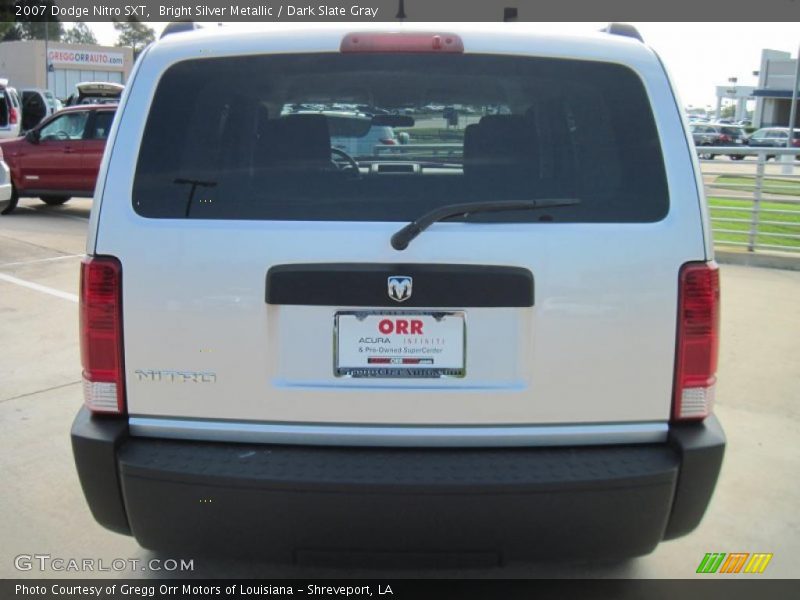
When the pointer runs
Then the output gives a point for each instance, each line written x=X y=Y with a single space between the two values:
x=32 y=136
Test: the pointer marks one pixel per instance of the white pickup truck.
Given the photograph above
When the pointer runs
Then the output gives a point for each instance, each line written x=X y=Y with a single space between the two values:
x=499 y=339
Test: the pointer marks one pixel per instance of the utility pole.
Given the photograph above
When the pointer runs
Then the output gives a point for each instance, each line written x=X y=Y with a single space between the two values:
x=46 y=58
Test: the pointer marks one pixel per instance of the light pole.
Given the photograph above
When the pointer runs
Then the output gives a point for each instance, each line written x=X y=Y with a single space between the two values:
x=732 y=81
x=793 y=108
x=46 y=44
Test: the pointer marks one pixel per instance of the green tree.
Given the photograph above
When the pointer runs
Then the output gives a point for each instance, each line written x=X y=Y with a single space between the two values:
x=135 y=34
x=727 y=112
x=9 y=32
x=39 y=27
x=79 y=34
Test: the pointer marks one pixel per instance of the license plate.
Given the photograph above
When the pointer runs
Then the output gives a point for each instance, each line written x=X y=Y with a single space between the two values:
x=738 y=141
x=399 y=344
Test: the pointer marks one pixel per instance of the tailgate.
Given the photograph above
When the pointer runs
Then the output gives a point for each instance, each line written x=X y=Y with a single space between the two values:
x=261 y=290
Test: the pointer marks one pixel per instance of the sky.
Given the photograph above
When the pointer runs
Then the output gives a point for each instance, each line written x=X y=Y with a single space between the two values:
x=699 y=56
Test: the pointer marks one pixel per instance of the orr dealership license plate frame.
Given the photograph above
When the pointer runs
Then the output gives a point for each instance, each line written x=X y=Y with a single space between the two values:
x=433 y=355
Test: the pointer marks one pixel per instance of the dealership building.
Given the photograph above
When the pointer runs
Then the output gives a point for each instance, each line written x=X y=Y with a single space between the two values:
x=58 y=67
x=774 y=91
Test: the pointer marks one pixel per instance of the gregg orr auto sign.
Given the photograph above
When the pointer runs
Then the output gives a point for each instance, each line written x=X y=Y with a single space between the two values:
x=85 y=58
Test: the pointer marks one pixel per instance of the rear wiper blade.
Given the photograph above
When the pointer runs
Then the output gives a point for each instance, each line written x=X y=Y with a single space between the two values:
x=403 y=237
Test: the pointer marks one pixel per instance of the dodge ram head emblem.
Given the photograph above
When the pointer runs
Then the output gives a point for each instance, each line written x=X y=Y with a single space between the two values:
x=400 y=287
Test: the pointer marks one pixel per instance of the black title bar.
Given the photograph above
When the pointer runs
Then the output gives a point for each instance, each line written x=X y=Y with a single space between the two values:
x=400 y=589
x=392 y=10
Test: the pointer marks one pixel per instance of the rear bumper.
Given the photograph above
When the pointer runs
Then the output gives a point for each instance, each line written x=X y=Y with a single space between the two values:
x=507 y=504
x=5 y=195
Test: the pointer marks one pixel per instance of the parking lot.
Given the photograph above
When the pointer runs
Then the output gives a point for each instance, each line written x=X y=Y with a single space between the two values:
x=42 y=510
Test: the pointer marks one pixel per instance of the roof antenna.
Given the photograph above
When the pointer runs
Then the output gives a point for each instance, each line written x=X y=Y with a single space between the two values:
x=509 y=14
x=401 y=10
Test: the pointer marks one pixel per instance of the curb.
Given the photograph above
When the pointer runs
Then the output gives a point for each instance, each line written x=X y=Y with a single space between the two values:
x=787 y=262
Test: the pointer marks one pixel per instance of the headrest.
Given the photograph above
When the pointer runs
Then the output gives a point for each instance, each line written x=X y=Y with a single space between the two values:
x=299 y=139
x=506 y=136
x=500 y=145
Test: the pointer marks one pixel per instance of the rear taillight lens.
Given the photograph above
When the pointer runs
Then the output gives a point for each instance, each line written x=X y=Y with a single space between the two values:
x=389 y=142
x=101 y=335
x=698 y=341
x=12 y=116
x=402 y=42
x=724 y=139
x=796 y=143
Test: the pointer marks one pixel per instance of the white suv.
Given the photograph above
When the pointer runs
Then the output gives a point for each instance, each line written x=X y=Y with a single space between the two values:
x=501 y=340
x=10 y=112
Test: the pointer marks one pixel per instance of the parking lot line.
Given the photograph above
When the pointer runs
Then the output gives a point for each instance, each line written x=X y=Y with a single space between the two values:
x=38 y=260
x=39 y=288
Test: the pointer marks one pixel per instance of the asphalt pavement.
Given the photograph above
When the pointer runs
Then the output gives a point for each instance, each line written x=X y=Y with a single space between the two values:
x=42 y=510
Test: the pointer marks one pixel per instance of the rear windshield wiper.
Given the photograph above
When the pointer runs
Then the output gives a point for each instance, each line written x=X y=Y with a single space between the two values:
x=403 y=237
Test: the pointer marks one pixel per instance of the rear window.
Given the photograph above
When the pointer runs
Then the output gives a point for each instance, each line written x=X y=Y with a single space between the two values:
x=253 y=140
x=346 y=126
x=733 y=131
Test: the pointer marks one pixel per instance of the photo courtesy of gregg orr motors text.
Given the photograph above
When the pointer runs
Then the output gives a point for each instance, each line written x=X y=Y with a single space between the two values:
x=183 y=590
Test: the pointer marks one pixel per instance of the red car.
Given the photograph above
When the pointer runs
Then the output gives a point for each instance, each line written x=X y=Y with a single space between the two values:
x=60 y=157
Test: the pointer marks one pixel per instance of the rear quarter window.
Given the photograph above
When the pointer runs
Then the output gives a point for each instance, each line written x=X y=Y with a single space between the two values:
x=527 y=128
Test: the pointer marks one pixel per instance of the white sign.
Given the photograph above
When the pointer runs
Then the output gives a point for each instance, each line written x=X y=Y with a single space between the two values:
x=88 y=58
x=400 y=344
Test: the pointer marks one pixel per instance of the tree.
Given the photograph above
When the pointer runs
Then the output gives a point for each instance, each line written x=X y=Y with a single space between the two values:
x=727 y=112
x=79 y=34
x=34 y=28
x=9 y=32
x=135 y=34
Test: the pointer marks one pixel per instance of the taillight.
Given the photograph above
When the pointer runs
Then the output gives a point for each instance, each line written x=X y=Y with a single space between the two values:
x=796 y=142
x=389 y=142
x=402 y=42
x=698 y=341
x=12 y=116
x=724 y=138
x=101 y=335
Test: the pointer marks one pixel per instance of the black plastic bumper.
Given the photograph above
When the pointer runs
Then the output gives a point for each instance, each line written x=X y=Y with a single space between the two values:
x=284 y=501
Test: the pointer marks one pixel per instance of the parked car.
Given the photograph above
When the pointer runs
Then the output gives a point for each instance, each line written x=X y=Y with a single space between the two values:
x=6 y=189
x=718 y=134
x=37 y=105
x=773 y=137
x=96 y=92
x=358 y=136
x=510 y=354
x=60 y=157
x=10 y=111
